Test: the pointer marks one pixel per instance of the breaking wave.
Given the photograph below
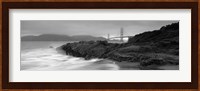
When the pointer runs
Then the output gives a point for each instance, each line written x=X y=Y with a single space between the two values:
x=49 y=59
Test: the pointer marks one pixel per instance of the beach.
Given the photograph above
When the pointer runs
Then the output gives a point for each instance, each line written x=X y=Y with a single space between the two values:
x=39 y=56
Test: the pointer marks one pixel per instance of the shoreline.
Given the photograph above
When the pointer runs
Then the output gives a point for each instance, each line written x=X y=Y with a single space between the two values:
x=109 y=64
x=126 y=56
x=122 y=65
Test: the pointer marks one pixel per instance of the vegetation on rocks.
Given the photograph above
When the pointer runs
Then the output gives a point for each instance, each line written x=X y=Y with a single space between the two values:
x=158 y=47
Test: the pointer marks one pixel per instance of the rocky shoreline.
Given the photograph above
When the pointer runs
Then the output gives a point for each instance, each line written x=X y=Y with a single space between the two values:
x=149 y=49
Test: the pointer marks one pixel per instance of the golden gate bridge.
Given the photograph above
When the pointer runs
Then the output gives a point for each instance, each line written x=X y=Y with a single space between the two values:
x=121 y=36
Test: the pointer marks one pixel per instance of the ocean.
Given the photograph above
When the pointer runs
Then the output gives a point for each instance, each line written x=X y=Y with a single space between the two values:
x=43 y=56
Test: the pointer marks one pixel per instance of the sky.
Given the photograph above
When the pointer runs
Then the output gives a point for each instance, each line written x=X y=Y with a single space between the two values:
x=98 y=28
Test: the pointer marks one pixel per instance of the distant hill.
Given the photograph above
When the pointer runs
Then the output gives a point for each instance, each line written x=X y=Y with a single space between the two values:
x=86 y=38
x=56 y=37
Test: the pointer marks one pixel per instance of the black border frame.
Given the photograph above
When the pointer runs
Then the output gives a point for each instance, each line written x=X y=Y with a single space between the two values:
x=98 y=85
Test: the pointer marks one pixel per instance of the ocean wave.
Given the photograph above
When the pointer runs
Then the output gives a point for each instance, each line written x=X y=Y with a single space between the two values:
x=49 y=59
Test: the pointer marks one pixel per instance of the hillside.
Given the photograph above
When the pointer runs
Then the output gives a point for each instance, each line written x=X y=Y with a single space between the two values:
x=55 y=37
x=169 y=32
x=166 y=39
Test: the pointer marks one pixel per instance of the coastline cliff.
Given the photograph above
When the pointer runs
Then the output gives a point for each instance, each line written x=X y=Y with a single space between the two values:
x=158 y=47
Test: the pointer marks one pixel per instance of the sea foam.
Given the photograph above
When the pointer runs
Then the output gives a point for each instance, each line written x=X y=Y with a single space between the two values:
x=48 y=59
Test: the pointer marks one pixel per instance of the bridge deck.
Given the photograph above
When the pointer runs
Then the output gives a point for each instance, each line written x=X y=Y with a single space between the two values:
x=121 y=37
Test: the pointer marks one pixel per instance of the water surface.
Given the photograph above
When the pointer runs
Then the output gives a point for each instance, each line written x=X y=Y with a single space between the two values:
x=43 y=56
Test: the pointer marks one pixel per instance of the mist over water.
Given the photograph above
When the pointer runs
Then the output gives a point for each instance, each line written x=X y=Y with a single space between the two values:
x=39 y=56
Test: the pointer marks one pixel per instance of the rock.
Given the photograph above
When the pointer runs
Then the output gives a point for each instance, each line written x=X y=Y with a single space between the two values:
x=87 y=50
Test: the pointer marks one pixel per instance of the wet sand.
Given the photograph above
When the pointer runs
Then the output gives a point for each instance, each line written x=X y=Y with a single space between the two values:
x=136 y=66
x=128 y=65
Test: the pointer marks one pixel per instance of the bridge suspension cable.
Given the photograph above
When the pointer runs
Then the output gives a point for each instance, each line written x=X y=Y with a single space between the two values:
x=121 y=36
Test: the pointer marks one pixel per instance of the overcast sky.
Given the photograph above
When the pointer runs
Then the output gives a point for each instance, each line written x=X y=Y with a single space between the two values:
x=89 y=27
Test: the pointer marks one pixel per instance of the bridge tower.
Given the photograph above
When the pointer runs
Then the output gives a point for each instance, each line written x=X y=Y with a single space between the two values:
x=121 y=34
x=108 y=37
